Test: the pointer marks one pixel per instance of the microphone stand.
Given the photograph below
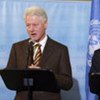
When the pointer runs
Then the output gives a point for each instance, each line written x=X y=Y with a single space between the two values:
x=29 y=62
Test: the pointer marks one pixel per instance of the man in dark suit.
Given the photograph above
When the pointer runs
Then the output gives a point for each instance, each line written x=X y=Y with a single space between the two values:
x=95 y=62
x=95 y=68
x=55 y=56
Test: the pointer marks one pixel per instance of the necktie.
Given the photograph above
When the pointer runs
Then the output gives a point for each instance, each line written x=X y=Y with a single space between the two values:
x=37 y=55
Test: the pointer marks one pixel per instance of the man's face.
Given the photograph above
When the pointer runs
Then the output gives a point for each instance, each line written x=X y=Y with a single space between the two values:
x=35 y=27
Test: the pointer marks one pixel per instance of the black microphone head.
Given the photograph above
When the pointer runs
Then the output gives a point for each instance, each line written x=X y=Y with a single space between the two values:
x=31 y=42
x=30 y=52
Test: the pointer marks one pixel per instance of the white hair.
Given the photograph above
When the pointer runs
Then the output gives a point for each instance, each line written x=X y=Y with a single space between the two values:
x=36 y=11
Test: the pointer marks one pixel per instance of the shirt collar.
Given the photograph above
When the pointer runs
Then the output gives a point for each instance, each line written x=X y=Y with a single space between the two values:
x=42 y=42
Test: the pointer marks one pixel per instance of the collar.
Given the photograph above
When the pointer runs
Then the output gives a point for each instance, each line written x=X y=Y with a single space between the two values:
x=42 y=42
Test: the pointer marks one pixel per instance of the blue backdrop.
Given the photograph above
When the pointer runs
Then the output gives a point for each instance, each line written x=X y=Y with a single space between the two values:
x=68 y=24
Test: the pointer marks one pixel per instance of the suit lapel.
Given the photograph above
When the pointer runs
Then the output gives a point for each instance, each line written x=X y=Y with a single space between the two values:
x=48 y=50
x=25 y=52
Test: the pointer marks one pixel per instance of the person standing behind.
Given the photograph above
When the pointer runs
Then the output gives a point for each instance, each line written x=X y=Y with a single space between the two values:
x=54 y=56
x=95 y=68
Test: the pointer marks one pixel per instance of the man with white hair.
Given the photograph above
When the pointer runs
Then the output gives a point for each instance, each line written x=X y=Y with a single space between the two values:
x=49 y=54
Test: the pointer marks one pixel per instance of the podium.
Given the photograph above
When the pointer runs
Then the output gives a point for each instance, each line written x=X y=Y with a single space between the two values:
x=94 y=82
x=29 y=80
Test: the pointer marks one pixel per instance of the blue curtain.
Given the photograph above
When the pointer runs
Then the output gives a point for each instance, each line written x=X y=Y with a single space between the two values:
x=68 y=24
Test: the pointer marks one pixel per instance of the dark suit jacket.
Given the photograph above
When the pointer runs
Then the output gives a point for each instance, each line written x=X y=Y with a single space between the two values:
x=95 y=62
x=55 y=57
x=95 y=68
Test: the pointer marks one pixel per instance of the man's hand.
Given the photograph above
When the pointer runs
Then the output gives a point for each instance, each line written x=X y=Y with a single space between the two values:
x=33 y=67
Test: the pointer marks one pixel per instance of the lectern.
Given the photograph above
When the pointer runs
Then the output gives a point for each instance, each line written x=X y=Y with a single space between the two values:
x=30 y=80
x=94 y=82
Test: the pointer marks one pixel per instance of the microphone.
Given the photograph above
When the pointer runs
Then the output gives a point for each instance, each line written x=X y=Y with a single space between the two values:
x=27 y=81
x=31 y=42
x=30 y=52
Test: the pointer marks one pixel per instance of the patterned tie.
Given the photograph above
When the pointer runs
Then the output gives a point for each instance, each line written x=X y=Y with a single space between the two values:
x=38 y=55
